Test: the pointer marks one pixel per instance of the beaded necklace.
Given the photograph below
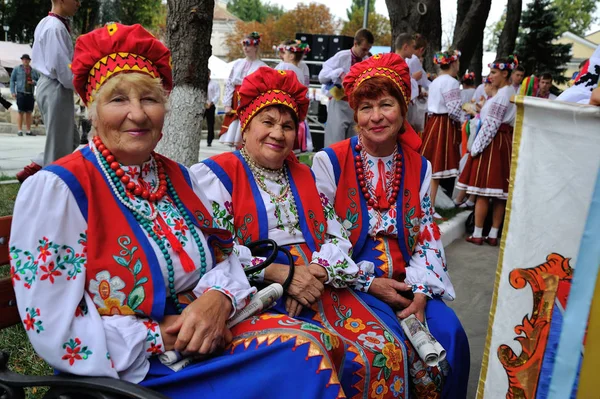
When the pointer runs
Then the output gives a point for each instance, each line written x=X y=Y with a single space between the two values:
x=261 y=174
x=117 y=187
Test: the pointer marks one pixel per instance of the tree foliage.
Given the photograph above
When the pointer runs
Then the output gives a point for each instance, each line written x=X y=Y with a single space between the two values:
x=314 y=18
x=535 y=47
x=254 y=10
x=575 y=16
x=143 y=12
x=358 y=6
x=378 y=24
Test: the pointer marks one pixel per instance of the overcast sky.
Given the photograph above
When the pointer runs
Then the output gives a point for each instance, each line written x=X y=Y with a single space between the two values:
x=338 y=8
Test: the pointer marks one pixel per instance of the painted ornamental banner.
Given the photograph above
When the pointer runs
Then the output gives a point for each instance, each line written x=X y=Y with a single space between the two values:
x=544 y=331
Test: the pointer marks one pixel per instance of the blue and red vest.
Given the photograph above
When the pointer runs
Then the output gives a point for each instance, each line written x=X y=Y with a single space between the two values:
x=115 y=240
x=249 y=212
x=351 y=206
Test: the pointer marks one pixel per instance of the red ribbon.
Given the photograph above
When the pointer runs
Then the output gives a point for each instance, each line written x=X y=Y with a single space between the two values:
x=380 y=192
x=186 y=261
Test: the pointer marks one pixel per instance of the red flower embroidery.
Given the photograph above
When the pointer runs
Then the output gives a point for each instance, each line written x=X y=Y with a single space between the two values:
x=180 y=225
x=29 y=322
x=155 y=349
x=44 y=251
x=50 y=272
x=133 y=172
x=150 y=325
x=146 y=168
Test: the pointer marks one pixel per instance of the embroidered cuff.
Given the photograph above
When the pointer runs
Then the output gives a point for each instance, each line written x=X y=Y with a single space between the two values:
x=234 y=303
x=364 y=281
x=153 y=345
x=422 y=289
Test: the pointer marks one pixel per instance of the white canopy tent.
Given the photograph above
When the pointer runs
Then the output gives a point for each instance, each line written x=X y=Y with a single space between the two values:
x=219 y=69
x=10 y=53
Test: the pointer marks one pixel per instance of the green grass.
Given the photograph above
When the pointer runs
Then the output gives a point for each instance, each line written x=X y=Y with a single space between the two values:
x=5 y=178
x=13 y=340
x=448 y=213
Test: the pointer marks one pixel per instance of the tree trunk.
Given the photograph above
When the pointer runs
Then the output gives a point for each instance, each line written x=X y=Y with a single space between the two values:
x=476 y=64
x=472 y=27
x=462 y=8
x=411 y=17
x=508 y=37
x=189 y=27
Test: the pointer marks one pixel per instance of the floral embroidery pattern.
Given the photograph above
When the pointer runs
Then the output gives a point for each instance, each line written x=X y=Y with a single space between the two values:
x=51 y=259
x=137 y=295
x=351 y=220
x=379 y=389
x=82 y=309
x=397 y=386
x=152 y=338
x=74 y=351
x=107 y=296
x=354 y=325
x=223 y=217
x=372 y=340
x=30 y=321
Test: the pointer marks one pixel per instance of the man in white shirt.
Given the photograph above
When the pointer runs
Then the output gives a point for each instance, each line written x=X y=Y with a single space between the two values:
x=414 y=63
x=340 y=117
x=214 y=93
x=51 y=56
x=544 y=87
x=516 y=77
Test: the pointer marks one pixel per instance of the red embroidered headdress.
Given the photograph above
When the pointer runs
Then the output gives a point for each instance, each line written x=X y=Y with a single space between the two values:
x=267 y=86
x=117 y=48
x=390 y=66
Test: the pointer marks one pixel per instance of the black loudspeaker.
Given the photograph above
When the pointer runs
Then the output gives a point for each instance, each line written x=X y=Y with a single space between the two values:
x=337 y=43
x=320 y=48
x=306 y=38
x=314 y=70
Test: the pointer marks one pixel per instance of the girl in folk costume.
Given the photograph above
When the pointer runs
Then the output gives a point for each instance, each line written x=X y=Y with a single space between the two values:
x=230 y=130
x=379 y=186
x=292 y=52
x=263 y=192
x=441 y=137
x=126 y=264
x=487 y=171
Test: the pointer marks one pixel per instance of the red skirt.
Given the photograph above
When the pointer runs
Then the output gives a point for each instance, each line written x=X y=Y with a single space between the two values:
x=441 y=145
x=233 y=115
x=488 y=174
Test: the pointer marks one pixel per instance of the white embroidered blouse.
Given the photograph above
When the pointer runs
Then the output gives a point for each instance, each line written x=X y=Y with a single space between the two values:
x=444 y=97
x=426 y=271
x=335 y=253
x=496 y=111
x=48 y=267
x=241 y=68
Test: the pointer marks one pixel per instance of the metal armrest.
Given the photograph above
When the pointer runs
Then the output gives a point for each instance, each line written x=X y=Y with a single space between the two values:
x=70 y=385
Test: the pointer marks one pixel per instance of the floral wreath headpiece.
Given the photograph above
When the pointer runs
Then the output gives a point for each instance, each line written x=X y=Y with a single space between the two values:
x=469 y=76
x=487 y=80
x=253 y=39
x=297 y=47
x=446 y=57
x=512 y=63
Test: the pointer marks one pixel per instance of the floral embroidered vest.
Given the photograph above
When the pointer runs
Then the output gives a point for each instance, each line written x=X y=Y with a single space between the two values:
x=117 y=245
x=350 y=204
x=250 y=216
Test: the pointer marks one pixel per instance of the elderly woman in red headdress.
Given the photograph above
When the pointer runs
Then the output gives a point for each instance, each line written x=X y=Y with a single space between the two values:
x=263 y=192
x=104 y=269
x=379 y=186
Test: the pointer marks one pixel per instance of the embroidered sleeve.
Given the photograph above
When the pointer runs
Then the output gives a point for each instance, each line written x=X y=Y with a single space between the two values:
x=332 y=70
x=453 y=102
x=48 y=269
x=229 y=87
x=335 y=255
x=427 y=271
x=490 y=124
x=221 y=205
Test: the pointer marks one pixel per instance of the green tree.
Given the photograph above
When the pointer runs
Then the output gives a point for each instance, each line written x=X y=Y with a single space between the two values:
x=493 y=32
x=575 y=16
x=248 y=10
x=273 y=10
x=358 y=6
x=87 y=17
x=143 y=12
x=535 y=46
x=378 y=24
x=22 y=16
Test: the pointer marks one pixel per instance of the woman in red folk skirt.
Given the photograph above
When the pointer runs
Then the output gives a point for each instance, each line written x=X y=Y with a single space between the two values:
x=487 y=171
x=441 y=136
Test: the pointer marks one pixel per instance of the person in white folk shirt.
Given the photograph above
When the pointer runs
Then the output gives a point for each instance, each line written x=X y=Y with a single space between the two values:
x=487 y=171
x=52 y=54
x=301 y=64
x=340 y=117
x=516 y=77
x=586 y=84
x=414 y=63
x=441 y=137
x=213 y=95
x=230 y=129
x=468 y=87
x=545 y=86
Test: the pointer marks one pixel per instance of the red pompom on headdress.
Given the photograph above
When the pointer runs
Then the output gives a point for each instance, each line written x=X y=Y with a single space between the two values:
x=116 y=48
x=267 y=86
x=390 y=66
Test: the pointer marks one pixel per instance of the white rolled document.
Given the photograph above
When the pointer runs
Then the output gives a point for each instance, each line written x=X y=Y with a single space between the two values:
x=428 y=348
x=263 y=300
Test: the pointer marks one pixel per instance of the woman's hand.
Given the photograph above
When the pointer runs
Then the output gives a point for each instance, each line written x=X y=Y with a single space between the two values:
x=305 y=288
x=417 y=307
x=388 y=290
x=293 y=307
x=318 y=272
x=168 y=339
x=201 y=328
x=227 y=109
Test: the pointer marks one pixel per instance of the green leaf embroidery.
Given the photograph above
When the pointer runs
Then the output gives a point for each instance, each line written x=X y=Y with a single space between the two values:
x=137 y=268
x=379 y=360
x=387 y=373
x=121 y=261
x=388 y=336
x=136 y=297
